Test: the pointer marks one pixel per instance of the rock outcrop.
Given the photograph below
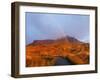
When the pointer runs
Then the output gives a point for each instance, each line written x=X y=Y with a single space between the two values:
x=46 y=52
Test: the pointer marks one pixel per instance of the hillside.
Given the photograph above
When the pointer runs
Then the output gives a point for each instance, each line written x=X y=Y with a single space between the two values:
x=63 y=51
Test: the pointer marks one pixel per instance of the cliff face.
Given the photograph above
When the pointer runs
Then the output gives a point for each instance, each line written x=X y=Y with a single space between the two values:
x=47 y=52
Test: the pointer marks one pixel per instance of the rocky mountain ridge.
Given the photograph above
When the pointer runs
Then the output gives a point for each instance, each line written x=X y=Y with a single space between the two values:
x=47 y=52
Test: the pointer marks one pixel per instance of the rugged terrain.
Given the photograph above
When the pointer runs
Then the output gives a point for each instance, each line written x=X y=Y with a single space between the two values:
x=47 y=52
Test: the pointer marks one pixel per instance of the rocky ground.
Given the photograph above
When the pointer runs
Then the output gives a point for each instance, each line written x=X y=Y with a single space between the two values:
x=47 y=52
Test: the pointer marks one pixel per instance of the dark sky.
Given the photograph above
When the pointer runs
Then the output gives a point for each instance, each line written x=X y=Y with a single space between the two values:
x=41 y=26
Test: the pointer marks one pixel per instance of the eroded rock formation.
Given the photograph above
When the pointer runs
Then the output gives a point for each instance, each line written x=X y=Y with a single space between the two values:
x=46 y=52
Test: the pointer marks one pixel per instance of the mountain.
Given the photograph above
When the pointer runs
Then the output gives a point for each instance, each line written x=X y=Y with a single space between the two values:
x=43 y=41
x=68 y=39
x=47 y=52
x=64 y=39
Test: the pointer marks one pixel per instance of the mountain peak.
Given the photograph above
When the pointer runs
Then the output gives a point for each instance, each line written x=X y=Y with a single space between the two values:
x=63 y=39
x=69 y=39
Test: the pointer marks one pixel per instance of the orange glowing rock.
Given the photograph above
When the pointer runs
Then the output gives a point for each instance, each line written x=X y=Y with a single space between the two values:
x=45 y=52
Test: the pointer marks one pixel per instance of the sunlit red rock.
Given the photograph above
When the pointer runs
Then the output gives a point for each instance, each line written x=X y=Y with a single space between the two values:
x=45 y=52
